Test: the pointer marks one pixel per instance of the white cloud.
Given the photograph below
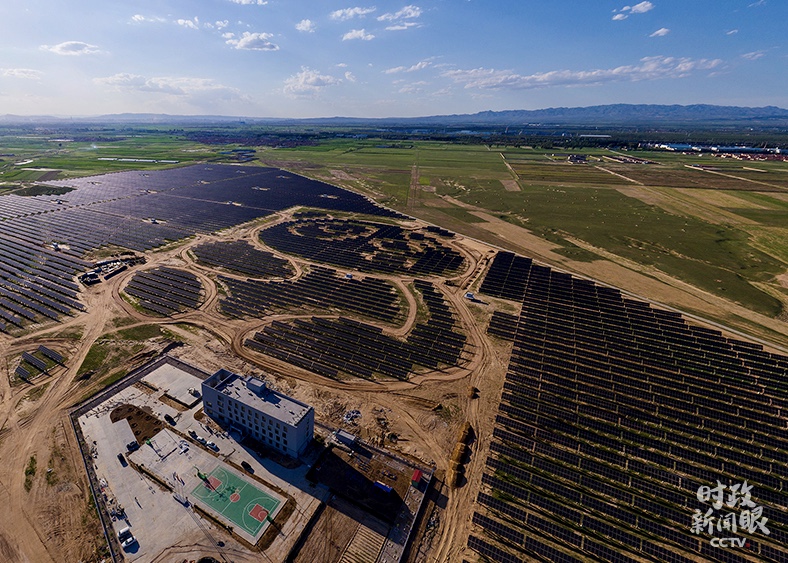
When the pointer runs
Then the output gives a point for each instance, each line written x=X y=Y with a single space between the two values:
x=661 y=32
x=758 y=3
x=139 y=18
x=306 y=26
x=250 y=2
x=254 y=42
x=309 y=82
x=191 y=24
x=413 y=88
x=640 y=8
x=732 y=32
x=648 y=68
x=228 y=35
x=350 y=13
x=182 y=87
x=358 y=34
x=402 y=26
x=408 y=12
x=349 y=77
x=221 y=24
x=753 y=56
x=418 y=66
x=72 y=48
x=27 y=73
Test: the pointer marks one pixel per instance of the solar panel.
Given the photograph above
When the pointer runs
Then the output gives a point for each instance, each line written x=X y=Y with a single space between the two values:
x=504 y=508
x=549 y=553
x=33 y=361
x=498 y=528
x=490 y=551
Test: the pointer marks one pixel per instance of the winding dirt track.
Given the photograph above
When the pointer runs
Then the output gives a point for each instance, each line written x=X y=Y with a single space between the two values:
x=28 y=433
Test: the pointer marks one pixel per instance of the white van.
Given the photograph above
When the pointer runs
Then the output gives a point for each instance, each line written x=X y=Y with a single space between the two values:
x=125 y=537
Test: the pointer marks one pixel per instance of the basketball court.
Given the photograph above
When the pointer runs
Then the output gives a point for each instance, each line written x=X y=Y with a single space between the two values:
x=237 y=500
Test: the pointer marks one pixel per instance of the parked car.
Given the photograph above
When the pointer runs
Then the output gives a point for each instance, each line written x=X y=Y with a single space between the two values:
x=132 y=446
x=125 y=537
x=122 y=459
x=169 y=419
x=202 y=440
x=213 y=446
x=192 y=433
x=245 y=464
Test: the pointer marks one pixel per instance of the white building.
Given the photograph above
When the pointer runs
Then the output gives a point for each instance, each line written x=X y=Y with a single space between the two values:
x=268 y=416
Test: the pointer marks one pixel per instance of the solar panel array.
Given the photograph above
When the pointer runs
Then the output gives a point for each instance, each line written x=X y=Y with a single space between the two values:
x=36 y=362
x=613 y=413
x=138 y=211
x=240 y=256
x=37 y=282
x=503 y=325
x=364 y=246
x=333 y=346
x=51 y=354
x=166 y=291
x=320 y=289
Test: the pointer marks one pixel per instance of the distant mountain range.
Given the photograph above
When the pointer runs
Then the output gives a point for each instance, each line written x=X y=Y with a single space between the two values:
x=613 y=114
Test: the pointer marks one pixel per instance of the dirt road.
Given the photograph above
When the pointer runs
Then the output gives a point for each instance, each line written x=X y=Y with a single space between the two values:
x=54 y=521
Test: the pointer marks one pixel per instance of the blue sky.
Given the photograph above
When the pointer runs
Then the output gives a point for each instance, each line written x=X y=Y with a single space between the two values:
x=315 y=58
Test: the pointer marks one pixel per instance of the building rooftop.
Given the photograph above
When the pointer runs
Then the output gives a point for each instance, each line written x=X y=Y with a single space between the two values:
x=254 y=393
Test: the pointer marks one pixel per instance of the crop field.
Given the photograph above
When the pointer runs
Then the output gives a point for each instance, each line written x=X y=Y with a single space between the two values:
x=552 y=173
x=104 y=154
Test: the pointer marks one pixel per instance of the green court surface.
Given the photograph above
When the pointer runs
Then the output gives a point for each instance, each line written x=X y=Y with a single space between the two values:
x=236 y=499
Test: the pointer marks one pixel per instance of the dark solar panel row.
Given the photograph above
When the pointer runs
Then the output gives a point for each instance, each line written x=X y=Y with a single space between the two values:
x=321 y=289
x=548 y=552
x=498 y=528
x=33 y=361
x=43 y=237
x=139 y=289
x=491 y=552
x=166 y=291
x=363 y=246
x=155 y=303
x=615 y=412
x=240 y=256
x=10 y=317
x=51 y=354
x=363 y=350
x=28 y=303
x=502 y=325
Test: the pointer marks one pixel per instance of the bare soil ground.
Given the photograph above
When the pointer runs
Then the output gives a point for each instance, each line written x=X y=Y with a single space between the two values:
x=55 y=520
x=510 y=185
